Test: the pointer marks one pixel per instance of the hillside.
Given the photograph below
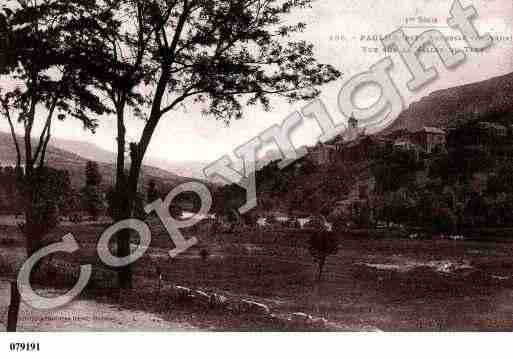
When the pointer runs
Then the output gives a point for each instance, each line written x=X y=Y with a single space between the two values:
x=87 y=150
x=490 y=98
x=320 y=187
x=75 y=164
x=90 y=151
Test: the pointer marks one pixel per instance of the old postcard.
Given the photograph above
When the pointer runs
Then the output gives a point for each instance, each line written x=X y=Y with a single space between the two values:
x=256 y=166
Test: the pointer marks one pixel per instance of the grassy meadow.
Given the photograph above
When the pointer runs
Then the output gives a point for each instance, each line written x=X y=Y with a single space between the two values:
x=385 y=284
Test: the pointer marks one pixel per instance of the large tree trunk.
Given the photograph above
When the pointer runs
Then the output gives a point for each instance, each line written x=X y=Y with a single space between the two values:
x=32 y=230
x=137 y=152
x=123 y=239
x=123 y=209
x=121 y=142
x=124 y=273
x=33 y=236
x=14 y=307
x=128 y=205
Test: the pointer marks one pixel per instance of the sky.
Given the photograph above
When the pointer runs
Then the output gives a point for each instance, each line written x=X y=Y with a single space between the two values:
x=339 y=30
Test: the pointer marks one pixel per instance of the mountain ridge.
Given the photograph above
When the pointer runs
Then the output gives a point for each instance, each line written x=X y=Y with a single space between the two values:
x=91 y=151
x=63 y=159
x=469 y=102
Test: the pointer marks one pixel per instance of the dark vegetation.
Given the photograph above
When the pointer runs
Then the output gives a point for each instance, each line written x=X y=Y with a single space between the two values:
x=67 y=56
x=223 y=56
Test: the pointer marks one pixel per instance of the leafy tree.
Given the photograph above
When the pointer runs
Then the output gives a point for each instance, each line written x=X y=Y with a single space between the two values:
x=50 y=38
x=227 y=199
x=395 y=170
x=153 y=194
x=50 y=192
x=92 y=201
x=502 y=181
x=93 y=175
x=38 y=53
x=7 y=55
x=322 y=244
x=53 y=188
x=222 y=55
x=7 y=61
x=73 y=201
x=266 y=205
x=10 y=195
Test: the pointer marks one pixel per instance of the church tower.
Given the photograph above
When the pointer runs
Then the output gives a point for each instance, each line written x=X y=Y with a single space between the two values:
x=352 y=132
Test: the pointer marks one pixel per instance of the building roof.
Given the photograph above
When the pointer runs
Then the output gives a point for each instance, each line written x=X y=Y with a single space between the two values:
x=330 y=147
x=407 y=142
x=434 y=130
x=321 y=147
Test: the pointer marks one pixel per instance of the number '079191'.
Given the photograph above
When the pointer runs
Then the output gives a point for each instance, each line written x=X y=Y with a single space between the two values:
x=24 y=347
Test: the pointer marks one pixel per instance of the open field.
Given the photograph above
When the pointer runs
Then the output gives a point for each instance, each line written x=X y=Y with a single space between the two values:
x=389 y=284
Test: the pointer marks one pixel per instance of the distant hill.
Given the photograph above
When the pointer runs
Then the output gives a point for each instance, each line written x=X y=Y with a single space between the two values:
x=87 y=150
x=90 y=151
x=492 y=98
x=193 y=169
x=75 y=164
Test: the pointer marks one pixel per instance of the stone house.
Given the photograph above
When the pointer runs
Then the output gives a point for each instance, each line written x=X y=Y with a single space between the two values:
x=362 y=149
x=322 y=154
x=405 y=144
x=430 y=138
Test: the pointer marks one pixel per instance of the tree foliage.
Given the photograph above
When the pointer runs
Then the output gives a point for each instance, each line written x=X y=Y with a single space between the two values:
x=322 y=244
x=50 y=189
x=395 y=170
x=48 y=40
x=222 y=55
x=153 y=56
x=92 y=174
x=92 y=198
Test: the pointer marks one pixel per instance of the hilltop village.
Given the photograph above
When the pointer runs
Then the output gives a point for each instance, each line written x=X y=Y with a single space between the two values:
x=443 y=180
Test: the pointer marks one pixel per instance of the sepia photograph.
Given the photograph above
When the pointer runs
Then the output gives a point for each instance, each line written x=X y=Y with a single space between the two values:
x=271 y=166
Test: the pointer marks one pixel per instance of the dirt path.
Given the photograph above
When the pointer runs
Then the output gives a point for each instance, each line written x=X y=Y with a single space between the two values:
x=86 y=315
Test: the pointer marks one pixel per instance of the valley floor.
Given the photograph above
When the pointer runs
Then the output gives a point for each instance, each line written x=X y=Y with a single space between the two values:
x=386 y=284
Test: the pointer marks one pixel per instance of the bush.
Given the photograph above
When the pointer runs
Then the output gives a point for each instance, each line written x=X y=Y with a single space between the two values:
x=321 y=245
